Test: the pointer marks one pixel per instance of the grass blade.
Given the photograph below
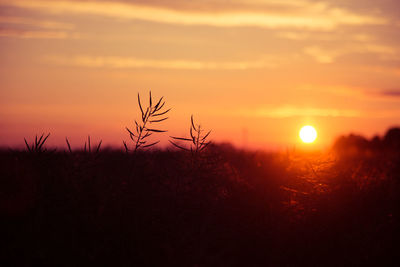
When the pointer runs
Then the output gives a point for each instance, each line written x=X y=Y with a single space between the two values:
x=160 y=107
x=130 y=132
x=43 y=141
x=204 y=138
x=203 y=147
x=137 y=127
x=159 y=120
x=98 y=147
x=178 y=146
x=27 y=145
x=191 y=119
x=150 y=99
x=152 y=144
x=158 y=103
x=145 y=116
x=126 y=146
x=162 y=113
x=181 y=138
x=147 y=135
x=140 y=105
x=69 y=146
x=156 y=130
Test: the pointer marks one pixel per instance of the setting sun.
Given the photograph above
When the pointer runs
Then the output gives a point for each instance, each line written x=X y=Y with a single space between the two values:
x=308 y=134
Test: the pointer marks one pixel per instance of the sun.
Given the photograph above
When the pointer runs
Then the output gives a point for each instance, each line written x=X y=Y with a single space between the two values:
x=308 y=134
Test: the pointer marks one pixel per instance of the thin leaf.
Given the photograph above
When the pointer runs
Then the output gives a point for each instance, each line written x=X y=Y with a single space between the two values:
x=160 y=107
x=43 y=141
x=145 y=115
x=37 y=142
x=178 y=146
x=89 y=143
x=98 y=147
x=191 y=119
x=27 y=145
x=158 y=103
x=137 y=126
x=69 y=146
x=192 y=135
x=130 y=132
x=150 y=99
x=126 y=146
x=140 y=105
x=155 y=130
x=159 y=120
x=181 y=138
x=152 y=144
x=162 y=113
x=203 y=147
x=147 y=135
x=204 y=138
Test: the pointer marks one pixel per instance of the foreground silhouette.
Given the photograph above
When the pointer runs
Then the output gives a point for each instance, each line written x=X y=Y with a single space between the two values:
x=224 y=207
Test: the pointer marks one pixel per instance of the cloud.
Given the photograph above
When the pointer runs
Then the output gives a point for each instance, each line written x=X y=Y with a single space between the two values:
x=217 y=6
x=44 y=24
x=37 y=34
x=328 y=55
x=321 y=55
x=391 y=93
x=311 y=16
x=354 y=93
x=297 y=36
x=291 y=111
x=35 y=29
x=129 y=62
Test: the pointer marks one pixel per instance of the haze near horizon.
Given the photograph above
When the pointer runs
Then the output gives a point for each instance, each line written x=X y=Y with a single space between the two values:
x=254 y=72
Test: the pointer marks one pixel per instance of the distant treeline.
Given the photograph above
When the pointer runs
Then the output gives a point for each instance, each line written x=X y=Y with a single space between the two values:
x=354 y=144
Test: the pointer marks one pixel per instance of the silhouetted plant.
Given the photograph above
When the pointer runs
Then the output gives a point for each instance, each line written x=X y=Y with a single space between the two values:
x=141 y=132
x=37 y=145
x=198 y=140
x=68 y=144
x=87 y=147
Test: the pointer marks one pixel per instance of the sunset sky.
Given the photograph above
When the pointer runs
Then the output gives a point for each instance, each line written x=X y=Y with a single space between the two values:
x=252 y=71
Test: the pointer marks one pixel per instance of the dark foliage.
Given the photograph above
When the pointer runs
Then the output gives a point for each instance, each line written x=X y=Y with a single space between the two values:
x=228 y=208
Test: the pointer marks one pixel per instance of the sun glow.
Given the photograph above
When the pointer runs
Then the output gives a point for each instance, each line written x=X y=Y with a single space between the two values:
x=308 y=134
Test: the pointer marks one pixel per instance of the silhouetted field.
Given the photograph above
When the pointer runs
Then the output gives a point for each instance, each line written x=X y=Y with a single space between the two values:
x=221 y=207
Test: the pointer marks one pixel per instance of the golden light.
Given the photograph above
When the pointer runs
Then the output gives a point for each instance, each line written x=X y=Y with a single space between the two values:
x=308 y=134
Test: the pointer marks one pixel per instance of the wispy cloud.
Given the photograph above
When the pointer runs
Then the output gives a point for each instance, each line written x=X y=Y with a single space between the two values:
x=321 y=55
x=391 y=93
x=128 y=62
x=353 y=93
x=310 y=16
x=37 y=34
x=44 y=24
x=328 y=55
x=292 y=111
x=28 y=28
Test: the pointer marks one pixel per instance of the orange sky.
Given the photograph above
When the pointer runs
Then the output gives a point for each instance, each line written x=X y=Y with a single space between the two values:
x=253 y=71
